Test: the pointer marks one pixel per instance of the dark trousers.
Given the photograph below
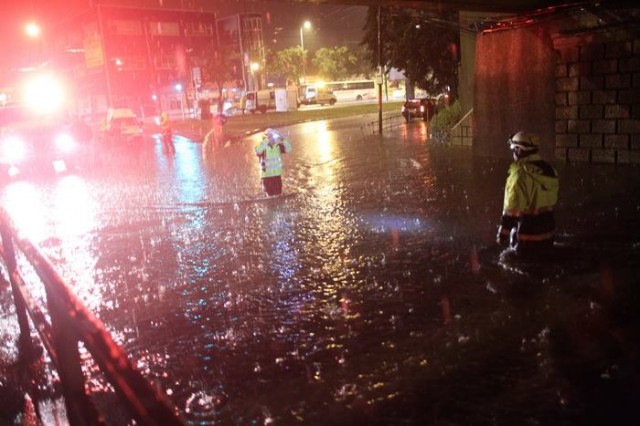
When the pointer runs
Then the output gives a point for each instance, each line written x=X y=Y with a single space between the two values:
x=535 y=250
x=272 y=185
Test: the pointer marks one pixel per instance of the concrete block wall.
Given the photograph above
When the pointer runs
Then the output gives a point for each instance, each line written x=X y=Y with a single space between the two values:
x=597 y=100
x=514 y=89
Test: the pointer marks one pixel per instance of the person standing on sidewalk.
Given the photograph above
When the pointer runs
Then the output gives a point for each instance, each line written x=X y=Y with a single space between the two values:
x=269 y=152
x=530 y=195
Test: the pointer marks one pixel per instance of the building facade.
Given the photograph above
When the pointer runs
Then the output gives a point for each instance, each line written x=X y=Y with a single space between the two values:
x=242 y=42
x=150 y=59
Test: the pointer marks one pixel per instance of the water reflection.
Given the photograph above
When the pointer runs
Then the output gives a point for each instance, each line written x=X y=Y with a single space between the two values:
x=63 y=216
x=416 y=130
x=371 y=284
x=21 y=200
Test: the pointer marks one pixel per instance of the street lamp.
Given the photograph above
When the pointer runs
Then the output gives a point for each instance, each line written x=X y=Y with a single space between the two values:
x=32 y=30
x=305 y=26
x=178 y=88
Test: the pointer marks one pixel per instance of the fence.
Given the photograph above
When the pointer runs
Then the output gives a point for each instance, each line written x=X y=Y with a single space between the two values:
x=388 y=122
x=461 y=134
x=71 y=323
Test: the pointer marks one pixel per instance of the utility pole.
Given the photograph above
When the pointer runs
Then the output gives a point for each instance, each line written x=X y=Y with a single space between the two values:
x=379 y=78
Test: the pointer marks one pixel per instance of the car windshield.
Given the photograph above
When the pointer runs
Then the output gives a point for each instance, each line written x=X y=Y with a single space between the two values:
x=124 y=121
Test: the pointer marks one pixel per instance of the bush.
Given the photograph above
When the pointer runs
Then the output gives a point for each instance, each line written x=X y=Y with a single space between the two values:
x=446 y=117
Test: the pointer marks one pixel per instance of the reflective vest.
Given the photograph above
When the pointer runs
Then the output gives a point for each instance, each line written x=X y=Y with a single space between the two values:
x=165 y=124
x=271 y=156
x=530 y=195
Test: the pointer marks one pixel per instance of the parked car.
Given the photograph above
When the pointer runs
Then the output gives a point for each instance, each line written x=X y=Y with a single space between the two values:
x=310 y=94
x=424 y=108
x=38 y=146
x=123 y=126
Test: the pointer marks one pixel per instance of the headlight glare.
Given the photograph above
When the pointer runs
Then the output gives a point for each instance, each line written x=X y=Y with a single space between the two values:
x=65 y=142
x=13 y=149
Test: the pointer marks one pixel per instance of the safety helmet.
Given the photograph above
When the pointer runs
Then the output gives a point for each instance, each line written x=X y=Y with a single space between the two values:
x=525 y=141
x=269 y=132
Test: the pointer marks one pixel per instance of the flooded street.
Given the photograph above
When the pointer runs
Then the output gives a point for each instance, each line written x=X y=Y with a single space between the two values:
x=370 y=293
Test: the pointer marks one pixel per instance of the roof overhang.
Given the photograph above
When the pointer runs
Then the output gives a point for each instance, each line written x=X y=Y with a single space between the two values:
x=497 y=6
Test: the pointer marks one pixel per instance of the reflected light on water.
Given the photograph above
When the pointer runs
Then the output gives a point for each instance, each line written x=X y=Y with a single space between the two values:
x=332 y=220
x=415 y=131
x=323 y=151
x=189 y=171
x=74 y=209
x=74 y=212
x=23 y=205
x=324 y=144
x=67 y=210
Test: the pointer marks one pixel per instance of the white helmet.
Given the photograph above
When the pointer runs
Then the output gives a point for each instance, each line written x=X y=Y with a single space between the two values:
x=525 y=141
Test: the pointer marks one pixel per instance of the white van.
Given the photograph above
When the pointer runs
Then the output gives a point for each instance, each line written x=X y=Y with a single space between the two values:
x=311 y=94
x=261 y=100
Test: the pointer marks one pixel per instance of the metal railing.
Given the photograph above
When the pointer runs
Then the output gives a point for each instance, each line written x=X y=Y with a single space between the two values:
x=388 y=122
x=461 y=134
x=71 y=323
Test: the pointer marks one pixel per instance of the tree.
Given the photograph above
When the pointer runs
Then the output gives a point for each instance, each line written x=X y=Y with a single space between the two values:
x=287 y=64
x=219 y=70
x=421 y=43
x=363 y=67
x=339 y=63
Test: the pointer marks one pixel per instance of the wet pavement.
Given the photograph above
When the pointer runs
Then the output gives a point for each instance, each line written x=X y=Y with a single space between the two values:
x=371 y=293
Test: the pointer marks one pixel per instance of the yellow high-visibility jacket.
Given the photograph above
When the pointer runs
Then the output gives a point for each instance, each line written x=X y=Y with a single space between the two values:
x=271 y=156
x=530 y=196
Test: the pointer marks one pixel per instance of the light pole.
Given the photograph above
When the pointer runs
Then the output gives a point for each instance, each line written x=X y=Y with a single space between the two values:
x=306 y=25
x=255 y=68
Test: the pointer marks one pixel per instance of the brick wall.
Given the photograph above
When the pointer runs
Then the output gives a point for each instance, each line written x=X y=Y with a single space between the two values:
x=597 y=113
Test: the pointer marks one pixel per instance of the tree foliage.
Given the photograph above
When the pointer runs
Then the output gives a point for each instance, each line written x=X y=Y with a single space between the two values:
x=339 y=63
x=218 y=70
x=421 y=43
x=287 y=63
x=334 y=63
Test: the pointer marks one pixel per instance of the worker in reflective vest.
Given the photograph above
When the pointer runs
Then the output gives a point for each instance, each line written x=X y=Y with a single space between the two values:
x=269 y=152
x=530 y=196
x=167 y=133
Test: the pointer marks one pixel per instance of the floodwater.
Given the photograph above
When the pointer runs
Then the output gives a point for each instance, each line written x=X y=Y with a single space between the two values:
x=371 y=293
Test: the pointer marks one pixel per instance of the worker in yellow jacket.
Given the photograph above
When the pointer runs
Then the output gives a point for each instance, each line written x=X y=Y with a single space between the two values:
x=269 y=152
x=530 y=196
x=166 y=133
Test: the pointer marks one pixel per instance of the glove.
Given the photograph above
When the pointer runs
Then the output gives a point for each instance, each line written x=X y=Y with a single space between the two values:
x=501 y=239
